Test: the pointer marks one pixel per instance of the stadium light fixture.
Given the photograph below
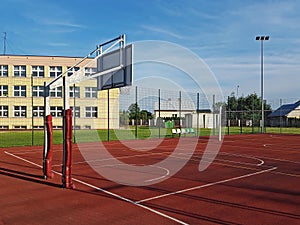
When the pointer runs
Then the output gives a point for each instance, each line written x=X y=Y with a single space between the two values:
x=262 y=39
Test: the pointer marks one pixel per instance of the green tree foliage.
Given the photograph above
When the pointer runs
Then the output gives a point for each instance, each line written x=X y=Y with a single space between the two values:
x=134 y=112
x=249 y=107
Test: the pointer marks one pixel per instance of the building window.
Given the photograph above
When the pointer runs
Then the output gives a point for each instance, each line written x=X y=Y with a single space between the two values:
x=88 y=71
x=91 y=112
x=38 y=91
x=72 y=70
x=90 y=92
x=3 y=111
x=38 y=71
x=75 y=91
x=3 y=70
x=38 y=127
x=56 y=111
x=20 y=71
x=55 y=71
x=57 y=92
x=38 y=111
x=20 y=127
x=3 y=90
x=20 y=91
x=20 y=111
x=3 y=127
x=76 y=112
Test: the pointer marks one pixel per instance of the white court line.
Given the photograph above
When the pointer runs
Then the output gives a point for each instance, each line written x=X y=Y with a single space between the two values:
x=161 y=177
x=25 y=160
x=111 y=158
x=207 y=185
x=107 y=192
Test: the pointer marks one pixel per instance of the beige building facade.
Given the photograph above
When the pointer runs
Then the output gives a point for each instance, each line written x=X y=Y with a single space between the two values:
x=22 y=81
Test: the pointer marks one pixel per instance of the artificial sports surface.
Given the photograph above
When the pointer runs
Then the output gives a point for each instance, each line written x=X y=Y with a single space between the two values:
x=254 y=179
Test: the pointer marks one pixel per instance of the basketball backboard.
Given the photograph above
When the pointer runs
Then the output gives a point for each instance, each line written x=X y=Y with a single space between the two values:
x=120 y=78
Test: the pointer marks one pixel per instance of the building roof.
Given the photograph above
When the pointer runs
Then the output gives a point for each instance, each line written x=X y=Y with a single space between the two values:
x=285 y=110
x=173 y=105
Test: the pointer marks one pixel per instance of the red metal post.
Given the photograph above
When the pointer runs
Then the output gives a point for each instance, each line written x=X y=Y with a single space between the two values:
x=67 y=170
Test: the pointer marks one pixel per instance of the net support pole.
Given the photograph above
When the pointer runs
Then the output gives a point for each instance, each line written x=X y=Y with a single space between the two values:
x=67 y=139
x=67 y=152
x=47 y=162
x=220 y=123
x=48 y=136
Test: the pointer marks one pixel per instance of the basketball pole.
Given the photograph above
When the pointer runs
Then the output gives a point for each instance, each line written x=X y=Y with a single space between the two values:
x=64 y=81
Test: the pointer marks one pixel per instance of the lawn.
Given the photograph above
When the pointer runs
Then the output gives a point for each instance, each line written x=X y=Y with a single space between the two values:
x=28 y=138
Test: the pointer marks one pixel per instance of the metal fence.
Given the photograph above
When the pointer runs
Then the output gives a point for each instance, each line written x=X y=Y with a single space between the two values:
x=135 y=113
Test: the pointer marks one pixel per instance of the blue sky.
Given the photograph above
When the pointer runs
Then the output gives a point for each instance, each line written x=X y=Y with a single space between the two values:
x=221 y=32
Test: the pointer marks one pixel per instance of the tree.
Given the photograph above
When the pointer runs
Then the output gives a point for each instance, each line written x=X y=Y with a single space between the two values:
x=248 y=107
x=134 y=111
x=146 y=115
x=123 y=118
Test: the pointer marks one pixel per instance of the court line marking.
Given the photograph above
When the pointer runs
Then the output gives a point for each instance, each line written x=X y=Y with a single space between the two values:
x=206 y=185
x=107 y=192
x=161 y=177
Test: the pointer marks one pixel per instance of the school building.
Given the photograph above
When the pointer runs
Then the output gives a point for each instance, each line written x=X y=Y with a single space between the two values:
x=22 y=79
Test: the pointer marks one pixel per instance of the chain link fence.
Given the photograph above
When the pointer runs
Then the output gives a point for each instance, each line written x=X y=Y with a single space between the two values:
x=132 y=113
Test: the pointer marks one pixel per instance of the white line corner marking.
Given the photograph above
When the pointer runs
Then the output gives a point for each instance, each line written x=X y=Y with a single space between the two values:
x=207 y=185
x=108 y=192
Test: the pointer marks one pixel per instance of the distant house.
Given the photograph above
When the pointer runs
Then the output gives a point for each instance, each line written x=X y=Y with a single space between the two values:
x=286 y=115
x=171 y=110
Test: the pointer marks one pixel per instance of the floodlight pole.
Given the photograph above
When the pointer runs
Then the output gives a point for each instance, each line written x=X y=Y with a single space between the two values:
x=262 y=39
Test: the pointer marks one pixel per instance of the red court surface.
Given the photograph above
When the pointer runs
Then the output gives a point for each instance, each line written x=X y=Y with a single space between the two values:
x=255 y=179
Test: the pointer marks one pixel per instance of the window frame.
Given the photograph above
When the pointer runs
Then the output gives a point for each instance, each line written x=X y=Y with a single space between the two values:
x=39 y=91
x=19 y=70
x=56 y=111
x=2 y=91
x=76 y=113
x=71 y=72
x=56 y=92
x=38 y=71
x=22 y=111
x=91 y=112
x=3 y=70
x=3 y=111
x=88 y=71
x=55 y=70
x=38 y=111
x=91 y=91
x=77 y=92
x=20 y=91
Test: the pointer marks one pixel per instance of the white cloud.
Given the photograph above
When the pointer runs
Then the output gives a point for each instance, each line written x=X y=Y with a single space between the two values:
x=161 y=31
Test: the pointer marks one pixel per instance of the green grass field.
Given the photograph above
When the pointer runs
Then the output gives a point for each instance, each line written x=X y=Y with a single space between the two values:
x=25 y=138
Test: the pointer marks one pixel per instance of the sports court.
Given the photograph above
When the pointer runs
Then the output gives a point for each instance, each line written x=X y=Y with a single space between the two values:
x=253 y=180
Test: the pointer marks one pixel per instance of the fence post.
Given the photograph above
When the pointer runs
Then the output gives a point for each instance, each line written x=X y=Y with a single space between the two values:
x=136 y=112
x=213 y=108
x=228 y=111
x=180 y=109
x=108 y=127
x=159 y=119
x=198 y=111
x=74 y=112
x=32 y=129
x=280 y=117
